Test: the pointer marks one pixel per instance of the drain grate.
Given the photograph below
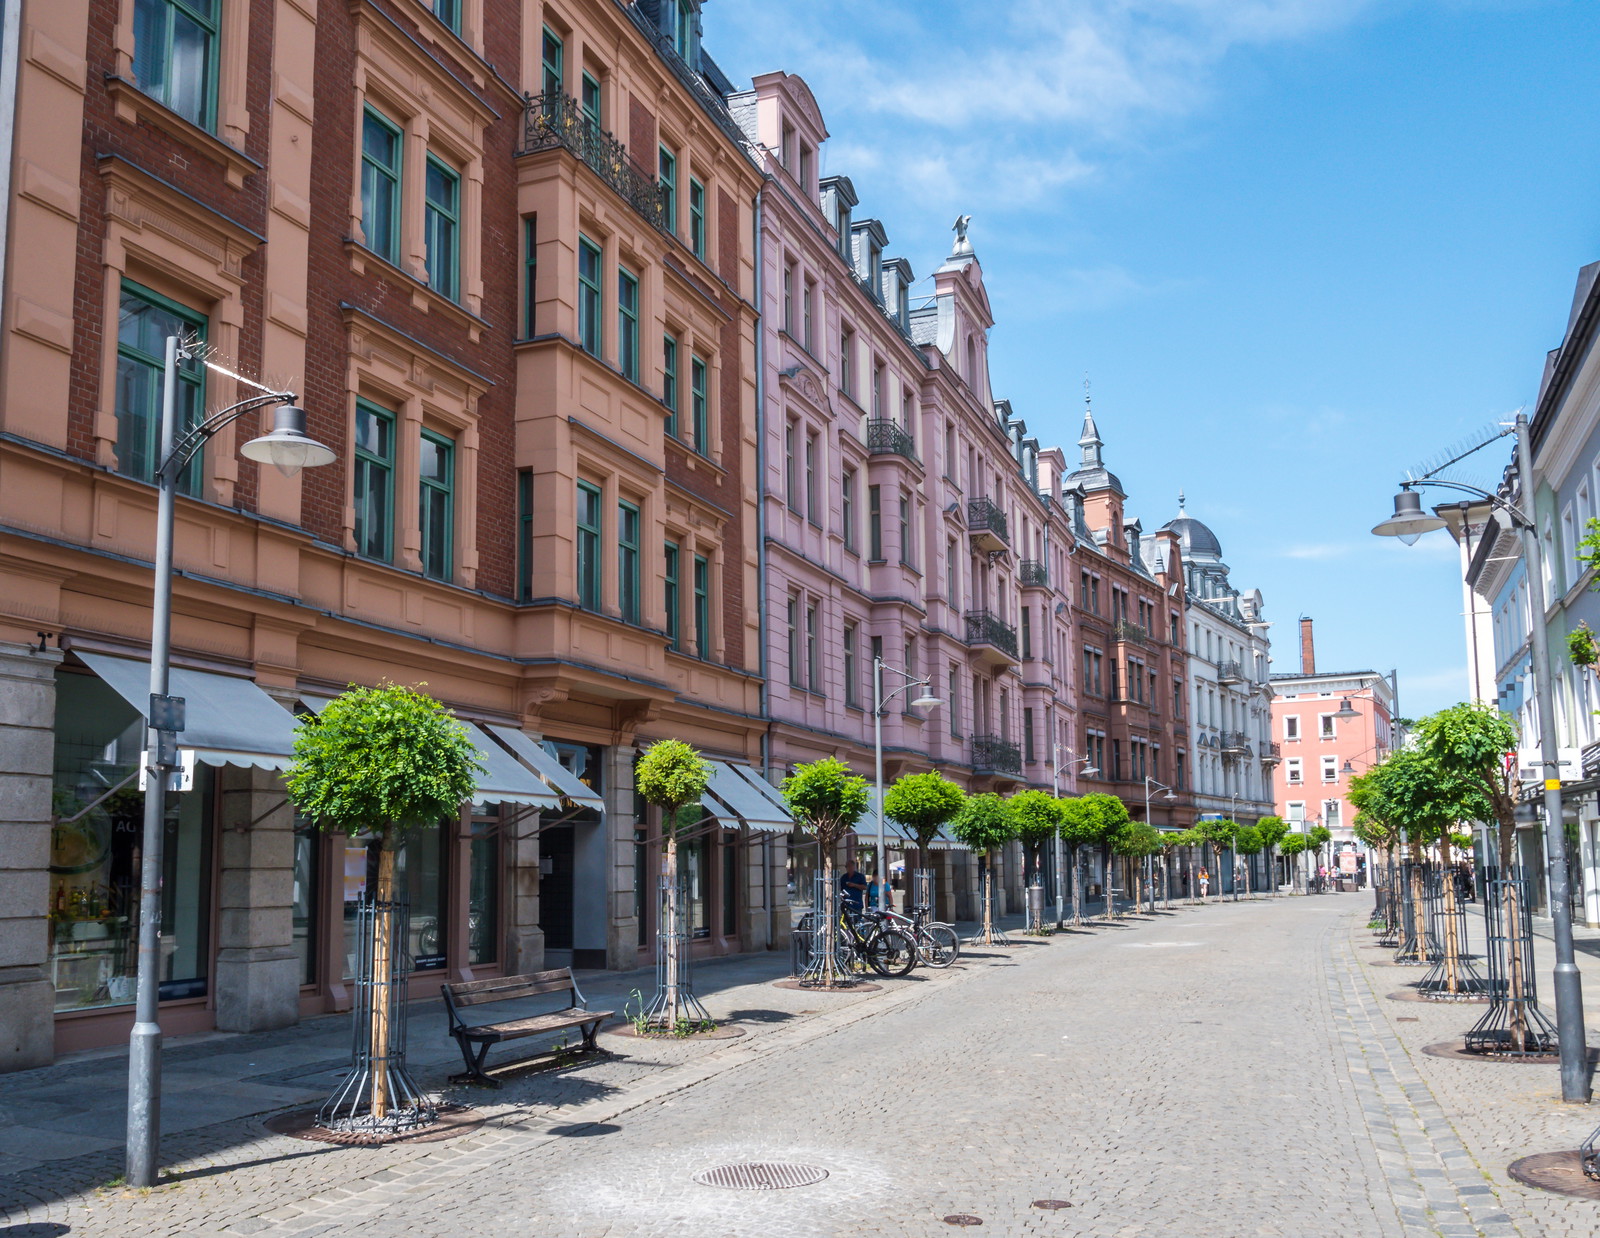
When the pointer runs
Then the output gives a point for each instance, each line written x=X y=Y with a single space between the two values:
x=761 y=1176
x=962 y=1218
x=1051 y=1205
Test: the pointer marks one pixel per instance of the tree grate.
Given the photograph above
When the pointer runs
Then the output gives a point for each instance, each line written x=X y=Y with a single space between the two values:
x=761 y=1176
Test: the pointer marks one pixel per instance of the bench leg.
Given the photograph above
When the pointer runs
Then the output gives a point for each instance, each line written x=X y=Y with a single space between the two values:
x=589 y=1032
x=474 y=1072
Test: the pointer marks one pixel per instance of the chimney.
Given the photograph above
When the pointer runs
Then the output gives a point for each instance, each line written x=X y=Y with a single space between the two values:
x=1308 y=654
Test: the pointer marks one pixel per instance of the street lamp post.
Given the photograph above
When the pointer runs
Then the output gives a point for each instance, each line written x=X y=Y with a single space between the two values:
x=290 y=449
x=1409 y=522
x=1150 y=784
x=926 y=701
x=1233 y=850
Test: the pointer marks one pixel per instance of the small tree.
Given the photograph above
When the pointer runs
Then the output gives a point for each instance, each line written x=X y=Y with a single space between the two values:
x=1247 y=840
x=1272 y=830
x=1292 y=847
x=922 y=803
x=1038 y=816
x=827 y=800
x=671 y=775
x=386 y=761
x=984 y=824
x=1134 y=841
x=1218 y=836
x=1080 y=827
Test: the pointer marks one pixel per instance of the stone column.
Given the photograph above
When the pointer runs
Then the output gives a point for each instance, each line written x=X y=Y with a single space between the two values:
x=27 y=760
x=622 y=924
x=524 y=937
x=258 y=972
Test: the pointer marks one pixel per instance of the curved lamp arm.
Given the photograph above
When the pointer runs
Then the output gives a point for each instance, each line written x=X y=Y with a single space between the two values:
x=195 y=438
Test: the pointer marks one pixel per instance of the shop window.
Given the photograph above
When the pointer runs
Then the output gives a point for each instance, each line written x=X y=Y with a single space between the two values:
x=381 y=148
x=437 y=503
x=374 y=481
x=483 y=894
x=730 y=885
x=694 y=877
x=146 y=320
x=175 y=56
x=419 y=868
x=307 y=882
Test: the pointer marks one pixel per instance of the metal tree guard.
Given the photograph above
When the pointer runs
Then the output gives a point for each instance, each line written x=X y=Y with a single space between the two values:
x=1453 y=976
x=380 y=999
x=922 y=891
x=989 y=933
x=674 y=1001
x=1513 y=1025
x=1589 y=1154
x=1389 y=934
x=1417 y=947
x=814 y=964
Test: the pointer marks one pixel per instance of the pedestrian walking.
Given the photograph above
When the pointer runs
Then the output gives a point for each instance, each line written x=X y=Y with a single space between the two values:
x=1205 y=882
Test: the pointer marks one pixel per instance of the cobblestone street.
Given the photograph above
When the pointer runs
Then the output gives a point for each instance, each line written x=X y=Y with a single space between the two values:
x=1228 y=1070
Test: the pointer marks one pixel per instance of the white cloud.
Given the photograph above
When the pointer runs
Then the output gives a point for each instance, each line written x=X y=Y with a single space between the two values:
x=1318 y=551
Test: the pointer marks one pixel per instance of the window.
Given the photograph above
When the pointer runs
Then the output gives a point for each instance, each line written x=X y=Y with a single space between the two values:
x=438 y=481
x=380 y=185
x=628 y=325
x=813 y=652
x=1177 y=698
x=813 y=501
x=175 y=55
x=877 y=388
x=669 y=382
x=952 y=574
x=374 y=482
x=591 y=103
x=702 y=606
x=669 y=189
x=449 y=12
x=905 y=530
x=1291 y=726
x=697 y=218
x=1179 y=772
x=789 y=323
x=628 y=561
x=525 y=535
x=145 y=321
x=874 y=523
x=669 y=577
x=1027 y=632
x=793 y=615
x=530 y=269
x=954 y=701
x=698 y=411
x=589 y=298
x=1330 y=769
x=847 y=507
x=552 y=56
x=1116 y=755
x=847 y=370
x=791 y=465
x=1325 y=726
x=442 y=228
x=1027 y=733
x=852 y=691
x=807 y=158
x=588 y=546
x=1293 y=772
x=807 y=301
x=1330 y=814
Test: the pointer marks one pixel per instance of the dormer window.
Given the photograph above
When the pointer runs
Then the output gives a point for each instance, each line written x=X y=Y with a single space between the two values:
x=844 y=228
x=786 y=148
x=808 y=160
x=680 y=22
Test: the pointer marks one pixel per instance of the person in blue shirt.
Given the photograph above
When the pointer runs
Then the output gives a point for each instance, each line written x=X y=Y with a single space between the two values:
x=852 y=888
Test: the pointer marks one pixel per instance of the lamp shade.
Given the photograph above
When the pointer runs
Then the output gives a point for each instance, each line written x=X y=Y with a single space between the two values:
x=1345 y=711
x=289 y=448
x=1409 y=521
x=927 y=701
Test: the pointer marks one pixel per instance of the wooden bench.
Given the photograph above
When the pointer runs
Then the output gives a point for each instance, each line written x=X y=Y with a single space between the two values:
x=476 y=1039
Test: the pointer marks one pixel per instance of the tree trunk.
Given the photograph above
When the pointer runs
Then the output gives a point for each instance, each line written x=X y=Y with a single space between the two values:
x=1452 y=957
x=1077 y=888
x=830 y=922
x=988 y=898
x=669 y=922
x=1419 y=911
x=382 y=963
x=1105 y=872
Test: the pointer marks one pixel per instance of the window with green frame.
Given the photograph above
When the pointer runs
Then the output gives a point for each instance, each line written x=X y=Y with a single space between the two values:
x=437 y=473
x=697 y=218
x=591 y=103
x=175 y=56
x=552 y=57
x=588 y=546
x=590 y=300
x=530 y=273
x=699 y=412
x=449 y=12
x=525 y=535
x=702 y=606
x=668 y=163
x=669 y=585
x=374 y=482
x=145 y=320
x=669 y=382
x=442 y=227
x=628 y=324
x=628 y=561
x=381 y=147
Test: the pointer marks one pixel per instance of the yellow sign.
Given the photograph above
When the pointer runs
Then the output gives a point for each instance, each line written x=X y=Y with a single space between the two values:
x=1552 y=784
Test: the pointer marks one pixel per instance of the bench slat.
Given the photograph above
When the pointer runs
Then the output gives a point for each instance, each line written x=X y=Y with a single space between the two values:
x=508 y=988
x=532 y=1026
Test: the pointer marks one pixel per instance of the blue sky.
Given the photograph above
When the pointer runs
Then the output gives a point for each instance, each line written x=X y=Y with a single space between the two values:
x=1297 y=246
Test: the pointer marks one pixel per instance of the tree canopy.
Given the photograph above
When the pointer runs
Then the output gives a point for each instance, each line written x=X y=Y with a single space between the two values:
x=382 y=760
x=671 y=775
x=1136 y=839
x=1272 y=830
x=1038 y=815
x=1247 y=840
x=826 y=799
x=922 y=803
x=1218 y=835
x=1093 y=818
x=1412 y=790
x=1471 y=741
x=984 y=823
x=1293 y=844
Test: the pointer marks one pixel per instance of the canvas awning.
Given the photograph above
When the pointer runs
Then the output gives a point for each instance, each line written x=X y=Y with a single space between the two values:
x=894 y=832
x=555 y=775
x=730 y=793
x=228 y=720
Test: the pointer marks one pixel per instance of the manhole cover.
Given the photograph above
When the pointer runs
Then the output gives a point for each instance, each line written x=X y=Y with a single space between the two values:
x=962 y=1218
x=761 y=1176
x=1561 y=1172
x=1051 y=1205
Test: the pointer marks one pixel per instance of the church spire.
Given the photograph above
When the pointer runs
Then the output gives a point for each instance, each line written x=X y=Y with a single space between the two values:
x=1089 y=441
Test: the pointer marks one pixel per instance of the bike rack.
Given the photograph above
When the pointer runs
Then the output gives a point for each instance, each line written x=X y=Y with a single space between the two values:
x=812 y=965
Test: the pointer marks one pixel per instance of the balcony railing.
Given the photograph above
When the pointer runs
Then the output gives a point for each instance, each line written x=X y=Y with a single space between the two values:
x=1272 y=752
x=1034 y=572
x=1229 y=672
x=990 y=752
x=985 y=516
x=1134 y=633
x=553 y=120
x=1235 y=743
x=984 y=627
x=888 y=438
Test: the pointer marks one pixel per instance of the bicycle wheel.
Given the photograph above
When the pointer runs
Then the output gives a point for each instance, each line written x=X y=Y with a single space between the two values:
x=891 y=953
x=939 y=945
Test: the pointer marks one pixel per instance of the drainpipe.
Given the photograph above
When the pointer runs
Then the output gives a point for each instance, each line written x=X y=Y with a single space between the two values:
x=761 y=555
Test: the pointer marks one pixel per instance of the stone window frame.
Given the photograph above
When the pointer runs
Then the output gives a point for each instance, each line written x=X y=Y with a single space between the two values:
x=425 y=391
x=693 y=526
x=190 y=254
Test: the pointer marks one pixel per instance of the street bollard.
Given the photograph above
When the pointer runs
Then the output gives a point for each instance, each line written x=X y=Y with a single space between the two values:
x=1036 y=908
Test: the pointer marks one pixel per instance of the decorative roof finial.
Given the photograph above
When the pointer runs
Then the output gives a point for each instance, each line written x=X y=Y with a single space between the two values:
x=1180 y=502
x=963 y=245
x=1089 y=440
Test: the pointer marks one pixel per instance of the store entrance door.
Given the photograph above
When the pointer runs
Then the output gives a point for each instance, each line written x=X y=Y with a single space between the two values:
x=556 y=886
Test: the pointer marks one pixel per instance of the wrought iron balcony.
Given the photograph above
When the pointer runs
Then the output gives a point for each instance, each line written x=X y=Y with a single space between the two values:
x=995 y=639
x=992 y=754
x=1230 y=672
x=552 y=120
x=1133 y=633
x=1272 y=754
x=888 y=438
x=987 y=525
x=1235 y=744
x=1034 y=572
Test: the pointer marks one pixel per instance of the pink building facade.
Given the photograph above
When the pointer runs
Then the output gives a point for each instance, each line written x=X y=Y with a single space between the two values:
x=1321 y=750
x=902 y=514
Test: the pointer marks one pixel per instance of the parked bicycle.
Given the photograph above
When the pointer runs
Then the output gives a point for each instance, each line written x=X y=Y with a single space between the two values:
x=880 y=945
x=937 y=943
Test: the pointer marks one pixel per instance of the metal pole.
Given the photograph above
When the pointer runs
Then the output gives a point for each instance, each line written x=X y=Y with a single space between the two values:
x=877 y=765
x=1568 y=983
x=1055 y=789
x=144 y=1044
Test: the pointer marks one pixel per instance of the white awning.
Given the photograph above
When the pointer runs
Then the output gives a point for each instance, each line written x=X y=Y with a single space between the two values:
x=894 y=832
x=228 y=720
x=733 y=793
x=556 y=775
